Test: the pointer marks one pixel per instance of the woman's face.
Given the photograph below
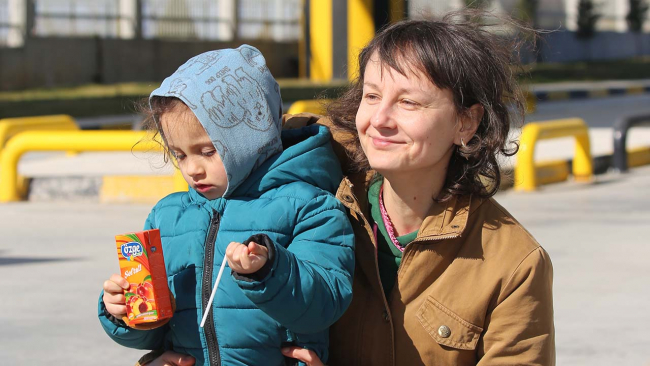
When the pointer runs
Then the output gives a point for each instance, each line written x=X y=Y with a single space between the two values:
x=405 y=123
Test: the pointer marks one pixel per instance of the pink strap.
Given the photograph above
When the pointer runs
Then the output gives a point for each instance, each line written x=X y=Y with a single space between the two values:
x=387 y=223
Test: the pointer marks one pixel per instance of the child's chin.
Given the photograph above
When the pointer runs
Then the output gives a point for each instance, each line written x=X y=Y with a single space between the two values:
x=212 y=194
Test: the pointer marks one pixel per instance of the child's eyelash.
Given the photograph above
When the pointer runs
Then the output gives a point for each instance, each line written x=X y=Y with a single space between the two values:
x=177 y=155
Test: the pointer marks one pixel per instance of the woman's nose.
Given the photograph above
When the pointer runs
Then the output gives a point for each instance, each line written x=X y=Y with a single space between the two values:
x=382 y=116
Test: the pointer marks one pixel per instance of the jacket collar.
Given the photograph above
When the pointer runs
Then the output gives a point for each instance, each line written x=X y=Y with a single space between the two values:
x=444 y=220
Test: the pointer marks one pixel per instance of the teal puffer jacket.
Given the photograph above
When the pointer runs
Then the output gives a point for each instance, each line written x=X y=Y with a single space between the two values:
x=309 y=284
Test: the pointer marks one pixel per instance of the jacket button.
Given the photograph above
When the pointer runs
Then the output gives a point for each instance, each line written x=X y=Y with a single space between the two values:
x=386 y=318
x=444 y=331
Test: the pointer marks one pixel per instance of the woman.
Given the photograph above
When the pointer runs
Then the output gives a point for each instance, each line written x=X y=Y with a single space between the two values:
x=444 y=275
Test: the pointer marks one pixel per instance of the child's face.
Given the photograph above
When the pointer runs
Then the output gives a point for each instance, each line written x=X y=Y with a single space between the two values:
x=197 y=157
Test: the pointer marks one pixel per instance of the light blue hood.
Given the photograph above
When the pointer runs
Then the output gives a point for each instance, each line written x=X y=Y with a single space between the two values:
x=237 y=100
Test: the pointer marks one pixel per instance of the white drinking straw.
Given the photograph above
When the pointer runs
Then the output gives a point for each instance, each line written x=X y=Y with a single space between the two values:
x=214 y=291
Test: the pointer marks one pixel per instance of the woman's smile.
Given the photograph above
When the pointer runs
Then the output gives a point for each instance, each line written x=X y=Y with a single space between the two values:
x=383 y=143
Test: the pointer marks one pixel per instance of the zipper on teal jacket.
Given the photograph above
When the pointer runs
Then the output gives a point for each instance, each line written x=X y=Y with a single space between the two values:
x=206 y=287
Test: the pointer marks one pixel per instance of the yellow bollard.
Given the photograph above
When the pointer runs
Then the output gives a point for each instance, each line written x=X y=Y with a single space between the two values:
x=526 y=177
x=63 y=141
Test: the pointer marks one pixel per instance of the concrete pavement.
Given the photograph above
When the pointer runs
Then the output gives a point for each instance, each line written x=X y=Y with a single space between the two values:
x=54 y=257
x=597 y=237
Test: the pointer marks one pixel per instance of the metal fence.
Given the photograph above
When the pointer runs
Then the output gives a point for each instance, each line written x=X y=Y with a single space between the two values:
x=278 y=20
x=70 y=18
x=224 y=20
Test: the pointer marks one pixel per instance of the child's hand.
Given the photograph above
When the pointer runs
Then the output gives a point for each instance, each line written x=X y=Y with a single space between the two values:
x=114 y=299
x=301 y=354
x=170 y=358
x=246 y=259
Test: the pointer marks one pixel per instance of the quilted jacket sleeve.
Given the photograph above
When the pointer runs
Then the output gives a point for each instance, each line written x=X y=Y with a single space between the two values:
x=309 y=285
x=124 y=335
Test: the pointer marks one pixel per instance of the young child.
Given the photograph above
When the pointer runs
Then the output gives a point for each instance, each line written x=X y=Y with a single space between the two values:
x=219 y=117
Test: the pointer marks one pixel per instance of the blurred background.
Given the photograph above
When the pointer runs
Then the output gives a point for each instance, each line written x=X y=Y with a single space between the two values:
x=75 y=168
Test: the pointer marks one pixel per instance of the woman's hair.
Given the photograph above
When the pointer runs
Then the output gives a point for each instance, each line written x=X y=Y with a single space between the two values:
x=151 y=110
x=459 y=55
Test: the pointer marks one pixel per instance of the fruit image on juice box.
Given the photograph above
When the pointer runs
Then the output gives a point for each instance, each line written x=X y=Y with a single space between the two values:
x=143 y=265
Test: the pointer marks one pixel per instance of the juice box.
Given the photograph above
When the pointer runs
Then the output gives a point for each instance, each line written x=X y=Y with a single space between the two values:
x=143 y=265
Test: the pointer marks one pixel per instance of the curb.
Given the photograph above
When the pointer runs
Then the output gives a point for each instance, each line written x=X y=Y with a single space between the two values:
x=106 y=189
x=588 y=94
x=566 y=91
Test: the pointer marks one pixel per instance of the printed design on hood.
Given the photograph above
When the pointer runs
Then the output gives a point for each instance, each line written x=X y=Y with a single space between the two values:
x=206 y=60
x=237 y=98
x=237 y=101
x=176 y=89
x=252 y=57
x=249 y=55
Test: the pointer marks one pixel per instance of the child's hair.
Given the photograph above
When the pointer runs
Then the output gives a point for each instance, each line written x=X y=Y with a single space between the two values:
x=151 y=111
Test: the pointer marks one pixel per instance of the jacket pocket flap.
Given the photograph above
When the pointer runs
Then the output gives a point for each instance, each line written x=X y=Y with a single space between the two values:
x=447 y=328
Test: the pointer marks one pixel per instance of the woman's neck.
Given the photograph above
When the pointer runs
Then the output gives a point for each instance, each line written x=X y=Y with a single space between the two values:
x=408 y=198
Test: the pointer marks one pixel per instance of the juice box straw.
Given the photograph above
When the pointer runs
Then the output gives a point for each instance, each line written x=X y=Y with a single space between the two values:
x=214 y=291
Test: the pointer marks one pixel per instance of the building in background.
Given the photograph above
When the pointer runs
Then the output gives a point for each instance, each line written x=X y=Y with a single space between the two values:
x=612 y=38
x=71 y=42
x=222 y=20
x=551 y=14
x=48 y=43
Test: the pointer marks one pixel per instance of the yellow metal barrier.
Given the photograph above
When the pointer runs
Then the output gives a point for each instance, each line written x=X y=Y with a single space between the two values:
x=316 y=106
x=66 y=140
x=527 y=173
x=12 y=126
x=638 y=156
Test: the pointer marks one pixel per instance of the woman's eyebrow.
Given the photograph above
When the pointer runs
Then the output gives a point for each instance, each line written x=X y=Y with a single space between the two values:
x=372 y=85
x=402 y=90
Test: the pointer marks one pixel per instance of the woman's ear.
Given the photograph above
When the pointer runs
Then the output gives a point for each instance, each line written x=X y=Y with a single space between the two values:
x=469 y=122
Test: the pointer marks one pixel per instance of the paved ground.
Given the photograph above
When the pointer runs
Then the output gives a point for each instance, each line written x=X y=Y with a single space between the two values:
x=54 y=257
x=597 y=237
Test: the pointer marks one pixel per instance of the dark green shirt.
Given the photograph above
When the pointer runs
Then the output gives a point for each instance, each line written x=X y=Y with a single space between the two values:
x=388 y=256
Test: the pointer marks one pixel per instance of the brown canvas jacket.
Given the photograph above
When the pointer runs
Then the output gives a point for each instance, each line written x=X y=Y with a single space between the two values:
x=474 y=288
